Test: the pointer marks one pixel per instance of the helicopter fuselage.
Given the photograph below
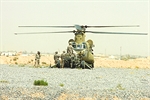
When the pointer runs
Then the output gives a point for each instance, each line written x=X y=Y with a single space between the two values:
x=84 y=51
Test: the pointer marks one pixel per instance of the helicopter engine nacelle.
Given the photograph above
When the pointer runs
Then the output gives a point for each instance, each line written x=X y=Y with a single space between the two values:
x=90 y=43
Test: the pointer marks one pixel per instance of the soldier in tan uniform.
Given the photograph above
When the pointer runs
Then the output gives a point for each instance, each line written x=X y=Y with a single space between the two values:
x=56 y=58
x=37 y=59
x=63 y=59
x=71 y=54
x=70 y=49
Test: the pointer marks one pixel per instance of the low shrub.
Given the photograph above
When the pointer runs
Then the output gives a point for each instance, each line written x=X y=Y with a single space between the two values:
x=21 y=65
x=61 y=84
x=44 y=63
x=15 y=58
x=119 y=86
x=16 y=63
x=4 y=81
x=40 y=82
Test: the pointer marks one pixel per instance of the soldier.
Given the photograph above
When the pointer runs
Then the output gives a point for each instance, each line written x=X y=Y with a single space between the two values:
x=37 y=59
x=70 y=49
x=70 y=52
x=62 y=59
x=56 y=58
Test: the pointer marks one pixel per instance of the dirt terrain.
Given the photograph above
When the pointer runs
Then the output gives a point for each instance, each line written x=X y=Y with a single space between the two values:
x=47 y=60
x=72 y=78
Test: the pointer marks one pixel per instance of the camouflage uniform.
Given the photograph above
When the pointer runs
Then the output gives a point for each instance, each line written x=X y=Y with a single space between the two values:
x=70 y=52
x=63 y=58
x=70 y=49
x=37 y=59
x=56 y=58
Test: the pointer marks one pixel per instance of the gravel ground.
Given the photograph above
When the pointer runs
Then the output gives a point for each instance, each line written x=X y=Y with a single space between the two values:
x=16 y=83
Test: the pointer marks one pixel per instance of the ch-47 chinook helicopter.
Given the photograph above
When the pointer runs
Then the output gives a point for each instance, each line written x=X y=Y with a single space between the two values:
x=83 y=49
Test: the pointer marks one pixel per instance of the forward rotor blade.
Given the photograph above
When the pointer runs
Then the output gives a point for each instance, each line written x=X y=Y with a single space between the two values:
x=43 y=32
x=116 y=33
x=50 y=26
x=83 y=31
x=112 y=26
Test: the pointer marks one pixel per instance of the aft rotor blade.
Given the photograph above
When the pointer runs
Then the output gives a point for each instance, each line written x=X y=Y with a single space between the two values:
x=115 y=33
x=43 y=32
x=50 y=26
x=81 y=26
x=103 y=26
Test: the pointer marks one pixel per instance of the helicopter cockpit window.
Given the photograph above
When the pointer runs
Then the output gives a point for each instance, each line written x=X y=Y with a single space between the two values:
x=78 y=46
x=83 y=45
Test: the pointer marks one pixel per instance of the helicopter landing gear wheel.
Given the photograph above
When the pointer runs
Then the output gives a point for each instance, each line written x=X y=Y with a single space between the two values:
x=92 y=65
x=82 y=64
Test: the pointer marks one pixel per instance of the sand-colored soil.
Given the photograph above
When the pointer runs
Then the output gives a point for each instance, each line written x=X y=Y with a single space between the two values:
x=99 y=62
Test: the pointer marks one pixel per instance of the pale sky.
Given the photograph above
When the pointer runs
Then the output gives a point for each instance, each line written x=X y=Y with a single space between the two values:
x=70 y=12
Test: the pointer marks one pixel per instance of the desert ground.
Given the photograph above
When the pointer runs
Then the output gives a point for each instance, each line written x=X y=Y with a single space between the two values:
x=47 y=60
x=110 y=80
